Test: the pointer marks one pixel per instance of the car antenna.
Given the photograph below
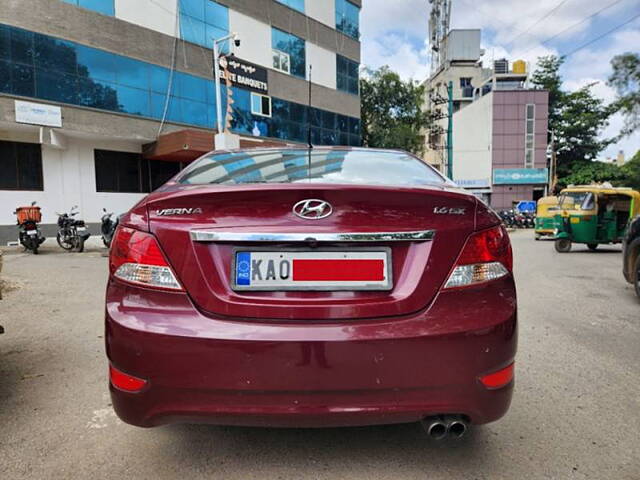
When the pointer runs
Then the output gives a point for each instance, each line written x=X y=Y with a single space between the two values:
x=309 y=144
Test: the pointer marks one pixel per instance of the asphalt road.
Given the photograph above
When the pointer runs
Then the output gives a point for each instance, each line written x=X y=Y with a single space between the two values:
x=575 y=414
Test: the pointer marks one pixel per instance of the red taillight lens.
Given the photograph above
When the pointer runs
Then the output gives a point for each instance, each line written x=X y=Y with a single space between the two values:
x=488 y=246
x=125 y=382
x=498 y=379
x=485 y=256
x=135 y=257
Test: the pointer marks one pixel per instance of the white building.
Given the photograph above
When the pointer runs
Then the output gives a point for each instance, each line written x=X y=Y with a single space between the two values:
x=101 y=102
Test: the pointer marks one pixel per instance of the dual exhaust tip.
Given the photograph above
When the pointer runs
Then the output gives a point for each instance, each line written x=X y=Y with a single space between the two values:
x=442 y=426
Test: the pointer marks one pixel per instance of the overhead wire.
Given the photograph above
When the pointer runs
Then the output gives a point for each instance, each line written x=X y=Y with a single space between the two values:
x=599 y=37
x=544 y=17
x=543 y=42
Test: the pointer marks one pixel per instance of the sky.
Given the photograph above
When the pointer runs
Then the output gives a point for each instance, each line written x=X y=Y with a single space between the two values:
x=394 y=33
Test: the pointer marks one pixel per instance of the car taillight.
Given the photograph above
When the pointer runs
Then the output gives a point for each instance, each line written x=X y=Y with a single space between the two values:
x=486 y=256
x=125 y=382
x=498 y=379
x=135 y=257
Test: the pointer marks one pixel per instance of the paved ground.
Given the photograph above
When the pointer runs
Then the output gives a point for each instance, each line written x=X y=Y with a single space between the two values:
x=576 y=411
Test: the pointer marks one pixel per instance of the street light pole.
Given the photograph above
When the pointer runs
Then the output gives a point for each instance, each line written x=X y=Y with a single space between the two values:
x=450 y=131
x=216 y=73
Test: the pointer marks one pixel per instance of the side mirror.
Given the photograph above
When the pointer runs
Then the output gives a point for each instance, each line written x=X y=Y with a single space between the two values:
x=33 y=204
x=104 y=210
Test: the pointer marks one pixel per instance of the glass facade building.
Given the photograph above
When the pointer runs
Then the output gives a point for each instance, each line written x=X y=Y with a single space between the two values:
x=295 y=4
x=348 y=18
x=105 y=7
x=293 y=47
x=202 y=21
x=44 y=67
x=347 y=75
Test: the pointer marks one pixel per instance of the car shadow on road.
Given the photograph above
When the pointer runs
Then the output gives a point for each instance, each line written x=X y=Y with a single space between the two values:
x=304 y=449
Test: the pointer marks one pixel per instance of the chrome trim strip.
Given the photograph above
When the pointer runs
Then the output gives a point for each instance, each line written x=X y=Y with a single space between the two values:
x=227 y=236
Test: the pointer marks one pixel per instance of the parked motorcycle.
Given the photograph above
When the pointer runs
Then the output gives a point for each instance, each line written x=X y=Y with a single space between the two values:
x=28 y=232
x=108 y=227
x=72 y=233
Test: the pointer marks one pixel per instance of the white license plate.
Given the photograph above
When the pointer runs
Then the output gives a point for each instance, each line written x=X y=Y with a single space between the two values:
x=32 y=232
x=312 y=270
x=81 y=229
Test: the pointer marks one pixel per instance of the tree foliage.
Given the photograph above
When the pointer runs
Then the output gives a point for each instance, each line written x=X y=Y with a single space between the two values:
x=626 y=80
x=391 y=111
x=576 y=118
x=631 y=172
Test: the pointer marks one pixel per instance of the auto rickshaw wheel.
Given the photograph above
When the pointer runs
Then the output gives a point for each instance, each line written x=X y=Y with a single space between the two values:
x=592 y=246
x=563 y=245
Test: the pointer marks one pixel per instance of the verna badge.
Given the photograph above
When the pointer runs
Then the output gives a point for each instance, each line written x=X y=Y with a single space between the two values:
x=312 y=209
x=179 y=211
x=449 y=210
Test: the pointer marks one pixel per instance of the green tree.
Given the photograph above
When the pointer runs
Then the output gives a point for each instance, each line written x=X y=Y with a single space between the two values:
x=631 y=172
x=576 y=118
x=597 y=172
x=626 y=80
x=391 y=111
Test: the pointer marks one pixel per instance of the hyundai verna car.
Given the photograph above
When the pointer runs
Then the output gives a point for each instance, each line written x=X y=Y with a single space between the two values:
x=311 y=288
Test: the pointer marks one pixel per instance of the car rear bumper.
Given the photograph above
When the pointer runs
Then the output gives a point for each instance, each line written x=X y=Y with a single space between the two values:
x=390 y=370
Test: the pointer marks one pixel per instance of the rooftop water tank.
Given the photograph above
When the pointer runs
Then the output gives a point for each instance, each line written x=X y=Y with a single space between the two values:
x=520 y=66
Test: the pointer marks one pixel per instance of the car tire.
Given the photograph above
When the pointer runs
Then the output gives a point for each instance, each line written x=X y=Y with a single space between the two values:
x=592 y=246
x=563 y=245
x=636 y=276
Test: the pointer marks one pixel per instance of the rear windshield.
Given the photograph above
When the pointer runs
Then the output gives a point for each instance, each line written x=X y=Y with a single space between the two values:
x=364 y=167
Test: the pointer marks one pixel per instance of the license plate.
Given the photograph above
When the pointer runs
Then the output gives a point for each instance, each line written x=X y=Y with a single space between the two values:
x=312 y=270
x=81 y=229
x=32 y=232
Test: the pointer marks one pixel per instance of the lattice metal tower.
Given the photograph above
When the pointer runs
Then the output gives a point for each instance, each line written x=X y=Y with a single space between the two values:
x=438 y=29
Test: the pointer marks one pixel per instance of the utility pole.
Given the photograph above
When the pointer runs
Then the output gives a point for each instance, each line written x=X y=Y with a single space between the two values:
x=223 y=139
x=552 y=164
x=450 y=131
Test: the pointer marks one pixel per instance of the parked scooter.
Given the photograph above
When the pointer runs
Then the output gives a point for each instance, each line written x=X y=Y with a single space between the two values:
x=108 y=227
x=28 y=232
x=72 y=233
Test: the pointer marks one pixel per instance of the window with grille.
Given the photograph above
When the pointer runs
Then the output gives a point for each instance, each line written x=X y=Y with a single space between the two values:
x=529 y=139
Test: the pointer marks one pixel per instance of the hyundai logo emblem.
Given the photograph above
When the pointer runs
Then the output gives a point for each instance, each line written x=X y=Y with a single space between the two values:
x=312 y=209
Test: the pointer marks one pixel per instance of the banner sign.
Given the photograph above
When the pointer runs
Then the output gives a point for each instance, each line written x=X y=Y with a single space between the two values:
x=519 y=176
x=38 y=114
x=474 y=183
x=245 y=75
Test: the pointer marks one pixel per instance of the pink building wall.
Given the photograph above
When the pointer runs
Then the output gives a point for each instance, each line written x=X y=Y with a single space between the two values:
x=508 y=140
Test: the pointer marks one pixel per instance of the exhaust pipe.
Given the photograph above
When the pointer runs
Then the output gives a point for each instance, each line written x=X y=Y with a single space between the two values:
x=435 y=427
x=441 y=426
x=457 y=426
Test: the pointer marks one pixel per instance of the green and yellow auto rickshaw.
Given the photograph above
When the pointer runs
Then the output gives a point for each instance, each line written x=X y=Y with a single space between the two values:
x=546 y=210
x=593 y=215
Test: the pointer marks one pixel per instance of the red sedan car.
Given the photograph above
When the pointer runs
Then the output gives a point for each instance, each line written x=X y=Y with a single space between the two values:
x=311 y=287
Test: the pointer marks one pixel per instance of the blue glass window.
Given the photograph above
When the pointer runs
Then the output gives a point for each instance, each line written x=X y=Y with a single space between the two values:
x=294 y=49
x=348 y=18
x=106 y=7
x=295 y=4
x=39 y=66
x=347 y=75
x=203 y=20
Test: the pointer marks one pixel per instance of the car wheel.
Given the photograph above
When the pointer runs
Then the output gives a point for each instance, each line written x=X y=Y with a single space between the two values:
x=592 y=246
x=563 y=245
x=636 y=276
